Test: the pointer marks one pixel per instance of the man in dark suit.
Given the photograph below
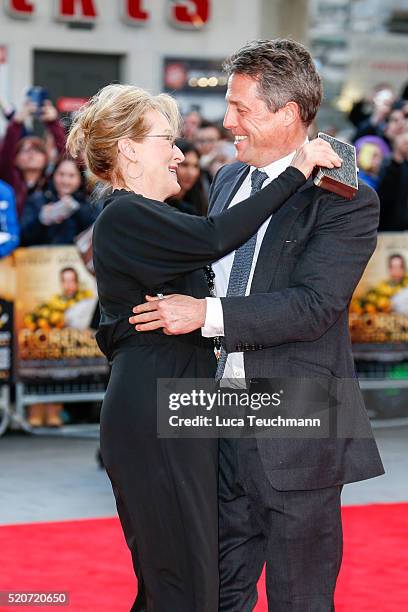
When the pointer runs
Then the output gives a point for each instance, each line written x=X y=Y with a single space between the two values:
x=282 y=311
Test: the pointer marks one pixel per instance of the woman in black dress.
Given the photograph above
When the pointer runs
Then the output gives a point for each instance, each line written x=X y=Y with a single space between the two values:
x=165 y=489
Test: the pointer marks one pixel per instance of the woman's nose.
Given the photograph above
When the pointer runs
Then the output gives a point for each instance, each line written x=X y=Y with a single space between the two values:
x=178 y=154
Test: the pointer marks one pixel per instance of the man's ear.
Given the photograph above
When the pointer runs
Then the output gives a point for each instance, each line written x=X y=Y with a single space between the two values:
x=290 y=113
x=128 y=148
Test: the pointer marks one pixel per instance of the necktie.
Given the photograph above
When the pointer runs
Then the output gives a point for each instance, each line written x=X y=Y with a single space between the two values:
x=241 y=266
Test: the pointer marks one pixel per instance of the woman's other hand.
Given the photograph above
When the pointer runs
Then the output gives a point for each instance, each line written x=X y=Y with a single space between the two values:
x=317 y=152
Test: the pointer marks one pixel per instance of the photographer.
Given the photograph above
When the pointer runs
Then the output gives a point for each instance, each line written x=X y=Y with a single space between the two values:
x=24 y=159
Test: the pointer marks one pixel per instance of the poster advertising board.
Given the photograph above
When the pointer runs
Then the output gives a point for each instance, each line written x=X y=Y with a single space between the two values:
x=379 y=308
x=55 y=304
x=7 y=292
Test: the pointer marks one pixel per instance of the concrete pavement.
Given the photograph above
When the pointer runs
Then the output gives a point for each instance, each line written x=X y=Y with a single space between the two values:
x=52 y=478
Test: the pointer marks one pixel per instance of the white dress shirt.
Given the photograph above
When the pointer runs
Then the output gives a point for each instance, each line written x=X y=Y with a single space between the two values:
x=214 y=320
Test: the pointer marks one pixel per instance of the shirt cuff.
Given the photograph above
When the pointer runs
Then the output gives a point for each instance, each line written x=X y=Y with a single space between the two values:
x=214 y=319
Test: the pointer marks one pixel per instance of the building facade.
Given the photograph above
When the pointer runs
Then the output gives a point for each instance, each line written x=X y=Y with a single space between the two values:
x=74 y=47
x=358 y=44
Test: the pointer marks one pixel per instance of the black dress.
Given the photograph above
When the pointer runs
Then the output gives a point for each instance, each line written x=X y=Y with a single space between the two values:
x=165 y=489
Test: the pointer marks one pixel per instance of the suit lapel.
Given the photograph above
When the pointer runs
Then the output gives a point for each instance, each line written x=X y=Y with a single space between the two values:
x=228 y=190
x=275 y=236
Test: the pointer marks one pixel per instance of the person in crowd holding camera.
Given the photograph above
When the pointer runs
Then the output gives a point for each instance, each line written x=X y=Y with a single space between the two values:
x=24 y=159
x=60 y=212
x=165 y=489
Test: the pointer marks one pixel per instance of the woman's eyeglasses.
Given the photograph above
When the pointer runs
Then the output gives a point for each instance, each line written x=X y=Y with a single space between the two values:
x=30 y=148
x=169 y=137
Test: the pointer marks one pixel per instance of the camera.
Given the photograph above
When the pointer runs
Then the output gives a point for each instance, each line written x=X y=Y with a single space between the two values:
x=37 y=95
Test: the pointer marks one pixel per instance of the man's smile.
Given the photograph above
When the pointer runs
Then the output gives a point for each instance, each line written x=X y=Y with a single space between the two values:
x=239 y=139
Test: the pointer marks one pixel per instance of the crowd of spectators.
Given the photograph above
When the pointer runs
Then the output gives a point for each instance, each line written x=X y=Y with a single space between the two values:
x=381 y=139
x=47 y=194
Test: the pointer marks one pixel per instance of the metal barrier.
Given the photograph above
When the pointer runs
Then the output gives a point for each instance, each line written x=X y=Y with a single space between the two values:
x=62 y=392
x=371 y=384
x=387 y=370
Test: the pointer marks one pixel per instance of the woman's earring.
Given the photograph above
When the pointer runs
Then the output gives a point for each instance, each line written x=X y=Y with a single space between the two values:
x=130 y=175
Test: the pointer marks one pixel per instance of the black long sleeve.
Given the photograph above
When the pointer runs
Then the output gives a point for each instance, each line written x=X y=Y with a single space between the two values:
x=154 y=243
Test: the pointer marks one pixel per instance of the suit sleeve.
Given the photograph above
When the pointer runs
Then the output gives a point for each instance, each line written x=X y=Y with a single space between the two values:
x=154 y=243
x=322 y=283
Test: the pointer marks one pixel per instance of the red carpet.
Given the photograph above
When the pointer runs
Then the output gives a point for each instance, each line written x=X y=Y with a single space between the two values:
x=90 y=560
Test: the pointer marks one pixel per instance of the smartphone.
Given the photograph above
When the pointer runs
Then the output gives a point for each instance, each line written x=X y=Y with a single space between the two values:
x=37 y=95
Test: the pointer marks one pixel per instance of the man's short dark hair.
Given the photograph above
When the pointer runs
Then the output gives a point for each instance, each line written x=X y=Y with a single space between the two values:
x=69 y=269
x=397 y=256
x=285 y=72
x=217 y=125
x=208 y=124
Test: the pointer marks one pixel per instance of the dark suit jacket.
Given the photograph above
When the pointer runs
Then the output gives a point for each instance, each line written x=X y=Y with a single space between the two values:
x=294 y=323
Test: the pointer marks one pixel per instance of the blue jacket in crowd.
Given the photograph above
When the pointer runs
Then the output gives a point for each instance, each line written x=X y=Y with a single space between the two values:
x=9 y=228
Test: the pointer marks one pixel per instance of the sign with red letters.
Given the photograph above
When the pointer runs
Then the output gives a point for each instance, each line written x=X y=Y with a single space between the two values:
x=22 y=9
x=76 y=10
x=134 y=12
x=190 y=14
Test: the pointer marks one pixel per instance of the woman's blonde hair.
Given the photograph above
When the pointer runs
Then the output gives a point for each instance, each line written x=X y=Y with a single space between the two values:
x=115 y=112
